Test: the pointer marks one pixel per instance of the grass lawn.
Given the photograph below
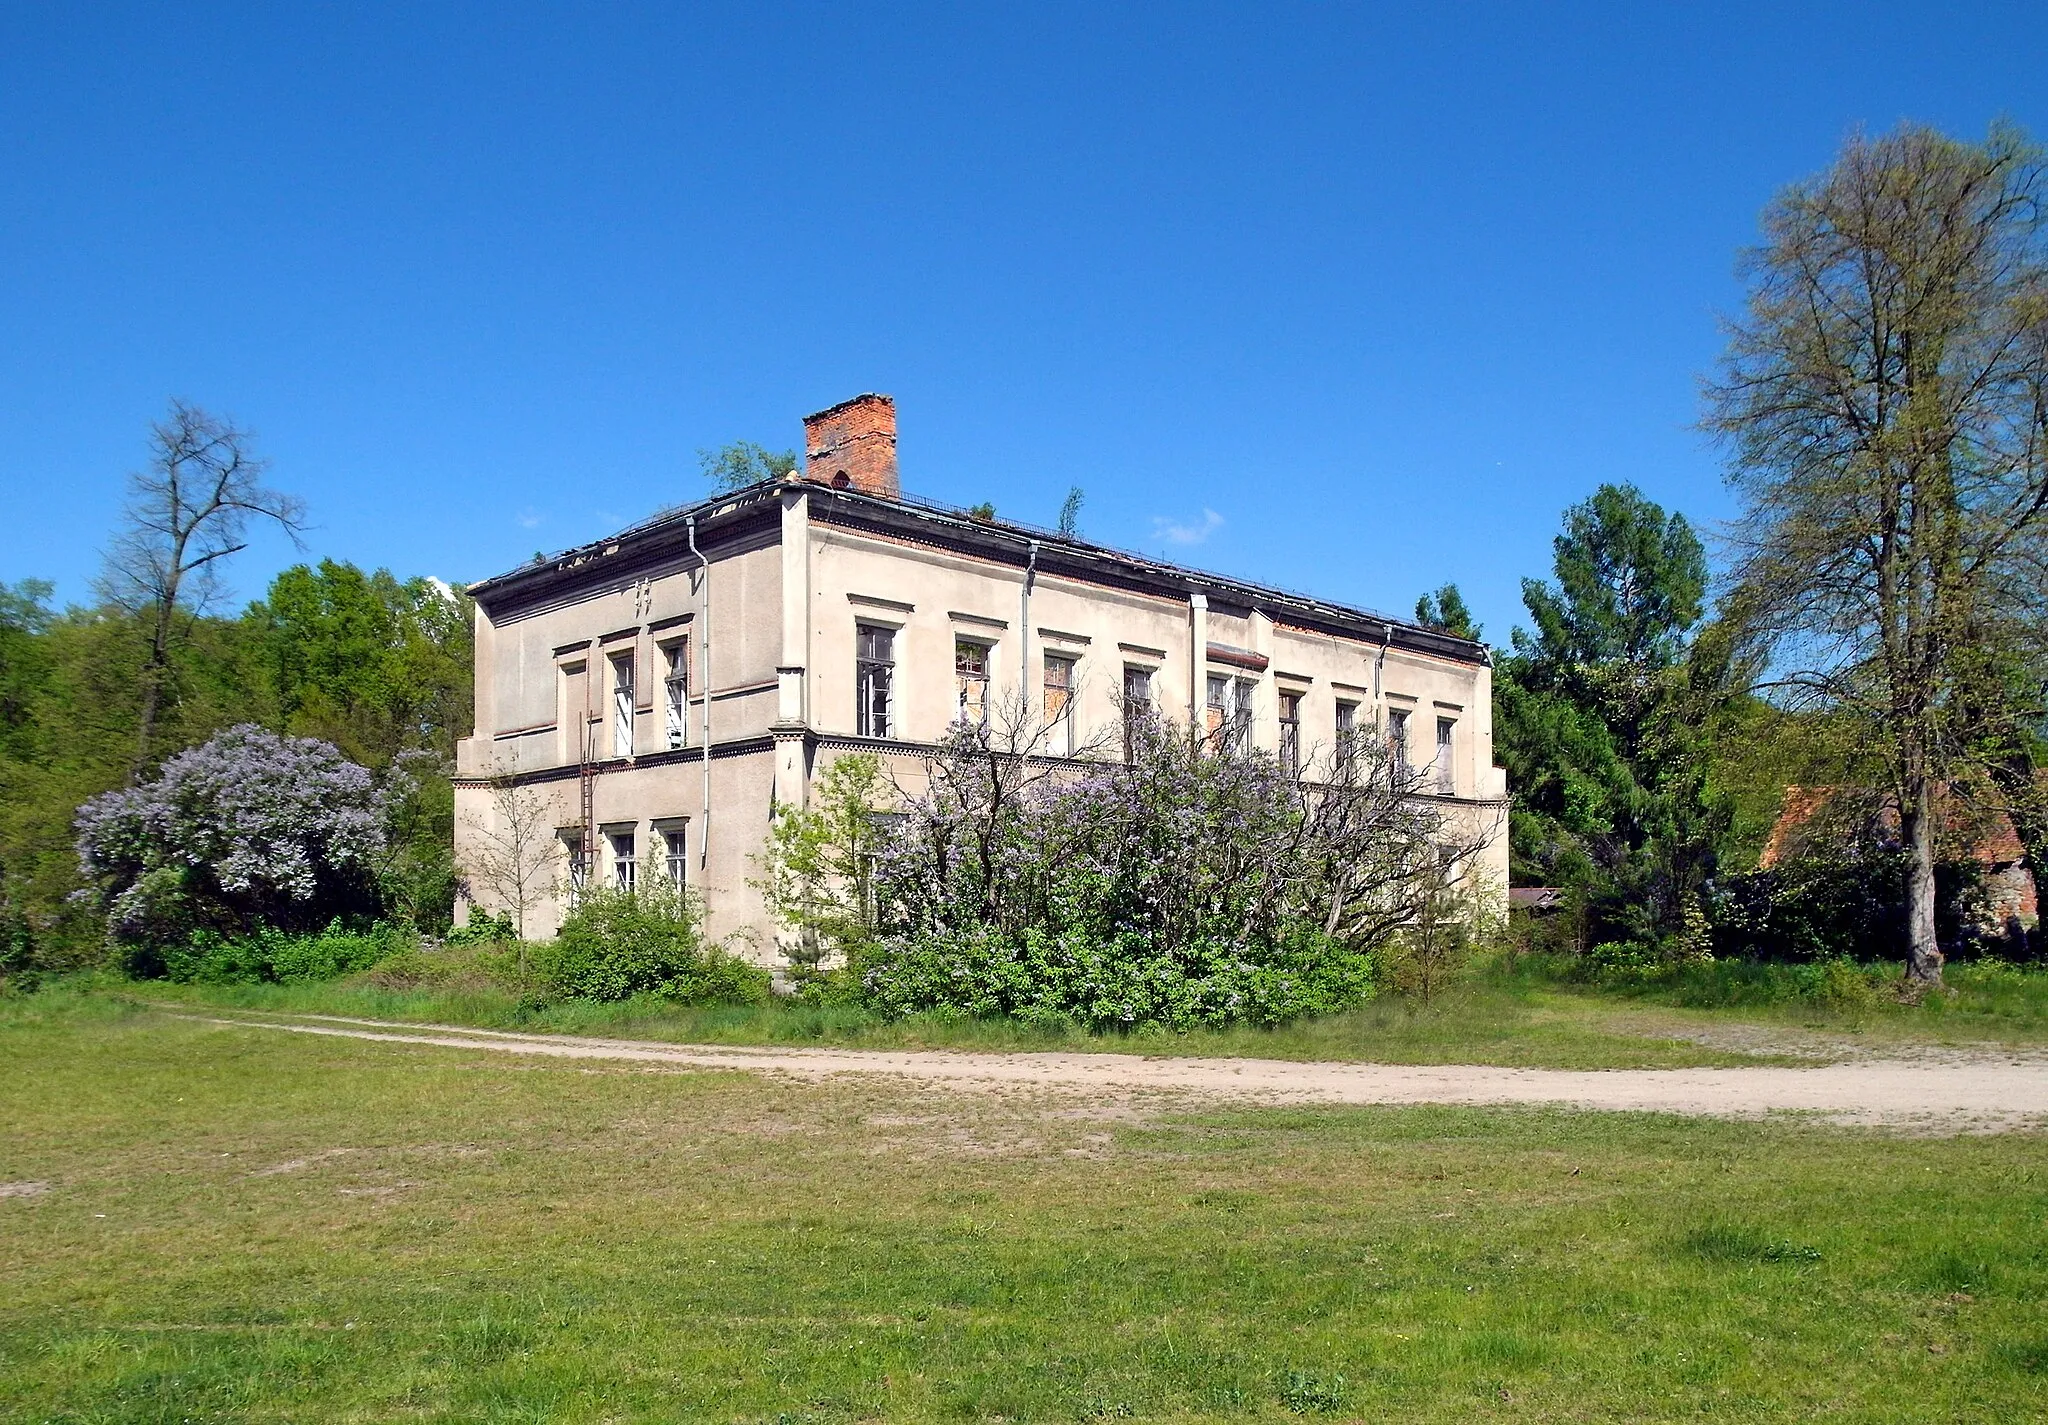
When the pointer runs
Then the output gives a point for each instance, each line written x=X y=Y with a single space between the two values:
x=235 y=1225
x=1521 y=1014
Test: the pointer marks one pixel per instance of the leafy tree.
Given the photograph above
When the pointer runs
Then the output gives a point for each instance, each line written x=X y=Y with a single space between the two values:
x=743 y=463
x=1881 y=399
x=1602 y=718
x=513 y=854
x=1445 y=612
x=819 y=864
x=187 y=513
x=376 y=665
x=250 y=829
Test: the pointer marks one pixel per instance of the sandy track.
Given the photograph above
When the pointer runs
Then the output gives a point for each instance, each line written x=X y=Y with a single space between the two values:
x=1987 y=1092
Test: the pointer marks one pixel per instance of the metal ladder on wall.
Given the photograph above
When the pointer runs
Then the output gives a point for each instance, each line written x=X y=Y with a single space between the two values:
x=586 y=776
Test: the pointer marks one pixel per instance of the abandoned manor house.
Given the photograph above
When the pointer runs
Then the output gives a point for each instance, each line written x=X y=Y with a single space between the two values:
x=655 y=696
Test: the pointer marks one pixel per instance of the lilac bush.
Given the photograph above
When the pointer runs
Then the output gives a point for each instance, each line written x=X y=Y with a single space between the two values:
x=248 y=830
x=1197 y=884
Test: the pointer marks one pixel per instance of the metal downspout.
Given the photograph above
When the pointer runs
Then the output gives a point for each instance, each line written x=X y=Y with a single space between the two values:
x=1024 y=629
x=1379 y=675
x=704 y=645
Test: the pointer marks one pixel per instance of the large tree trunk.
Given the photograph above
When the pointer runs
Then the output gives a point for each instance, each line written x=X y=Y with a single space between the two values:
x=1923 y=950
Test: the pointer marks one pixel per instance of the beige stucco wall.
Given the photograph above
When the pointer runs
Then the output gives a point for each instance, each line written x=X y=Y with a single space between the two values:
x=782 y=618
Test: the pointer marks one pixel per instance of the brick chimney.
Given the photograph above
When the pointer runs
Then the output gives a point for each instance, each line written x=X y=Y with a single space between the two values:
x=853 y=446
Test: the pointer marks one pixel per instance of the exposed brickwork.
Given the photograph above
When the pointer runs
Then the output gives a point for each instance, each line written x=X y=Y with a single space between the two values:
x=853 y=444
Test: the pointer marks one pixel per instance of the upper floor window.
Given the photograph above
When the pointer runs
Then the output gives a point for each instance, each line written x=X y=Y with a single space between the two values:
x=675 y=684
x=1059 y=704
x=874 y=680
x=1137 y=705
x=1446 y=764
x=1228 y=716
x=970 y=674
x=622 y=704
x=622 y=860
x=1397 y=740
x=1347 y=741
x=1290 y=734
x=576 y=713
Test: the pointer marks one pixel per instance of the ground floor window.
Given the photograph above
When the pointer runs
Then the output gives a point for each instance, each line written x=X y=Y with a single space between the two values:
x=579 y=865
x=678 y=857
x=623 y=864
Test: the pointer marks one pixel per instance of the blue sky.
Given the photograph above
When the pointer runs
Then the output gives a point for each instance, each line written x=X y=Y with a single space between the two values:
x=1347 y=299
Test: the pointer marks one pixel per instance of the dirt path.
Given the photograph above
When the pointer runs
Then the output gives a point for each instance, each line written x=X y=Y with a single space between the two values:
x=1956 y=1093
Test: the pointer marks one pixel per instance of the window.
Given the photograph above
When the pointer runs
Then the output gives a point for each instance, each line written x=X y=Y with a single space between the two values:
x=874 y=674
x=1290 y=734
x=1347 y=741
x=675 y=685
x=1137 y=705
x=574 y=719
x=1059 y=705
x=1446 y=766
x=1241 y=714
x=1397 y=740
x=579 y=868
x=1216 y=709
x=1228 y=715
x=970 y=673
x=677 y=846
x=622 y=705
x=622 y=860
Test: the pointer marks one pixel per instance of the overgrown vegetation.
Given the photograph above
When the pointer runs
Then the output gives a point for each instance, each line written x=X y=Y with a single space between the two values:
x=1191 y=882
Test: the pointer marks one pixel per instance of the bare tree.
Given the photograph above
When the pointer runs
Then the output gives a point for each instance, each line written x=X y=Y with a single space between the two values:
x=186 y=513
x=513 y=855
x=1885 y=399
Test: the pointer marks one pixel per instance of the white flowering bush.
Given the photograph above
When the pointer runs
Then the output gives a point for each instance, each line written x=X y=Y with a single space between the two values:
x=248 y=830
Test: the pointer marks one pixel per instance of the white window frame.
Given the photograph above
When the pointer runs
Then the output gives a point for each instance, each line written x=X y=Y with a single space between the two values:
x=622 y=702
x=624 y=846
x=970 y=702
x=1447 y=755
x=675 y=846
x=675 y=685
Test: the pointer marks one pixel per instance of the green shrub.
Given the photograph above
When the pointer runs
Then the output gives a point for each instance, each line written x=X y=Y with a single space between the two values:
x=483 y=928
x=618 y=944
x=272 y=956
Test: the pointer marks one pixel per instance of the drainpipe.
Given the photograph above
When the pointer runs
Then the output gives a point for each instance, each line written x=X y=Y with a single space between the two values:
x=704 y=644
x=1024 y=629
x=1379 y=675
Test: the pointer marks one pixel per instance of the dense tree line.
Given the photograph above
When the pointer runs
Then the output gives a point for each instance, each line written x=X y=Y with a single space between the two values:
x=378 y=666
